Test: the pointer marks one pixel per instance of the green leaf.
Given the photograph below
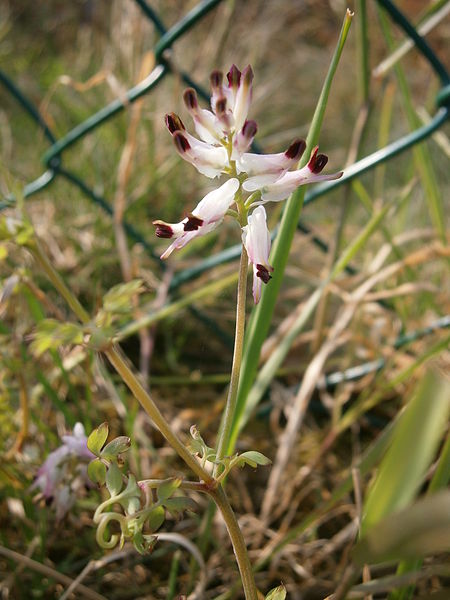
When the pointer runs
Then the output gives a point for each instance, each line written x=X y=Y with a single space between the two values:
x=97 y=439
x=114 y=480
x=176 y=506
x=415 y=441
x=52 y=334
x=119 y=298
x=116 y=446
x=278 y=593
x=167 y=488
x=253 y=459
x=156 y=518
x=97 y=471
x=419 y=530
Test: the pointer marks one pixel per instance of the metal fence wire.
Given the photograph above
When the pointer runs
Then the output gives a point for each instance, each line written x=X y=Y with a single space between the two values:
x=53 y=157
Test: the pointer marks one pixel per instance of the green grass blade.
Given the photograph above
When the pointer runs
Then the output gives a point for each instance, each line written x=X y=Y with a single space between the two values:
x=439 y=481
x=262 y=314
x=414 y=444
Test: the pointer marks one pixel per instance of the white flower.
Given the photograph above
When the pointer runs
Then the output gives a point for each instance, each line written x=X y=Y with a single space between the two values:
x=281 y=188
x=205 y=217
x=226 y=135
x=256 y=239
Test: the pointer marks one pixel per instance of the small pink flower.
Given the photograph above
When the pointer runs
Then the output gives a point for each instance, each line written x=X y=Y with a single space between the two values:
x=256 y=239
x=288 y=182
x=205 y=217
x=55 y=478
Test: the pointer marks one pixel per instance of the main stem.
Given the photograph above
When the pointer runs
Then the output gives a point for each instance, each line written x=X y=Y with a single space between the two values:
x=227 y=420
x=237 y=539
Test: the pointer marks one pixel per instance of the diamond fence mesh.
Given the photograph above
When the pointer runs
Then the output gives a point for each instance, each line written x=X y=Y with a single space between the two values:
x=53 y=158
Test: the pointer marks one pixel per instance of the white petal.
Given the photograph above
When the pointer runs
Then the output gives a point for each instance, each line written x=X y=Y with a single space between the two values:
x=259 y=181
x=257 y=286
x=259 y=164
x=243 y=98
x=207 y=159
x=215 y=204
x=207 y=126
x=287 y=183
x=211 y=210
x=257 y=238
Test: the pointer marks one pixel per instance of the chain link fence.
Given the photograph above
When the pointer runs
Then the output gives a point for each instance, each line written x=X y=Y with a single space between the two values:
x=53 y=158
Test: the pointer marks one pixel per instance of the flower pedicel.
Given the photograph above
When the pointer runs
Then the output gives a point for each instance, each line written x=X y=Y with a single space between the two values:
x=225 y=137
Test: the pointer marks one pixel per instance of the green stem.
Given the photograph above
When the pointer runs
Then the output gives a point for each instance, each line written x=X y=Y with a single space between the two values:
x=237 y=539
x=230 y=408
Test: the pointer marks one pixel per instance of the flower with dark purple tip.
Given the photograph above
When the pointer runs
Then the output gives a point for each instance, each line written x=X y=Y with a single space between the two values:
x=256 y=239
x=281 y=188
x=205 y=217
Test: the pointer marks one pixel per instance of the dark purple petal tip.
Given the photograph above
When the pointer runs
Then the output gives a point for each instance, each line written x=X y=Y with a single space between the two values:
x=249 y=129
x=181 y=143
x=174 y=123
x=193 y=223
x=234 y=77
x=296 y=149
x=317 y=161
x=321 y=161
x=163 y=230
x=190 y=99
x=247 y=75
x=221 y=106
x=216 y=79
x=263 y=273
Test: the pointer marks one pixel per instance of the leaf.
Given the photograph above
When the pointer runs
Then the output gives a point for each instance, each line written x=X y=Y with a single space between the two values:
x=278 y=593
x=414 y=443
x=167 y=488
x=97 y=471
x=52 y=334
x=253 y=459
x=419 y=530
x=118 y=299
x=114 y=481
x=176 y=506
x=156 y=518
x=97 y=439
x=117 y=446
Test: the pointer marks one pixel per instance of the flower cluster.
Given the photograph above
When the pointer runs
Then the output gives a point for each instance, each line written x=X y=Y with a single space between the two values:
x=64 y=471
x=226 y=137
